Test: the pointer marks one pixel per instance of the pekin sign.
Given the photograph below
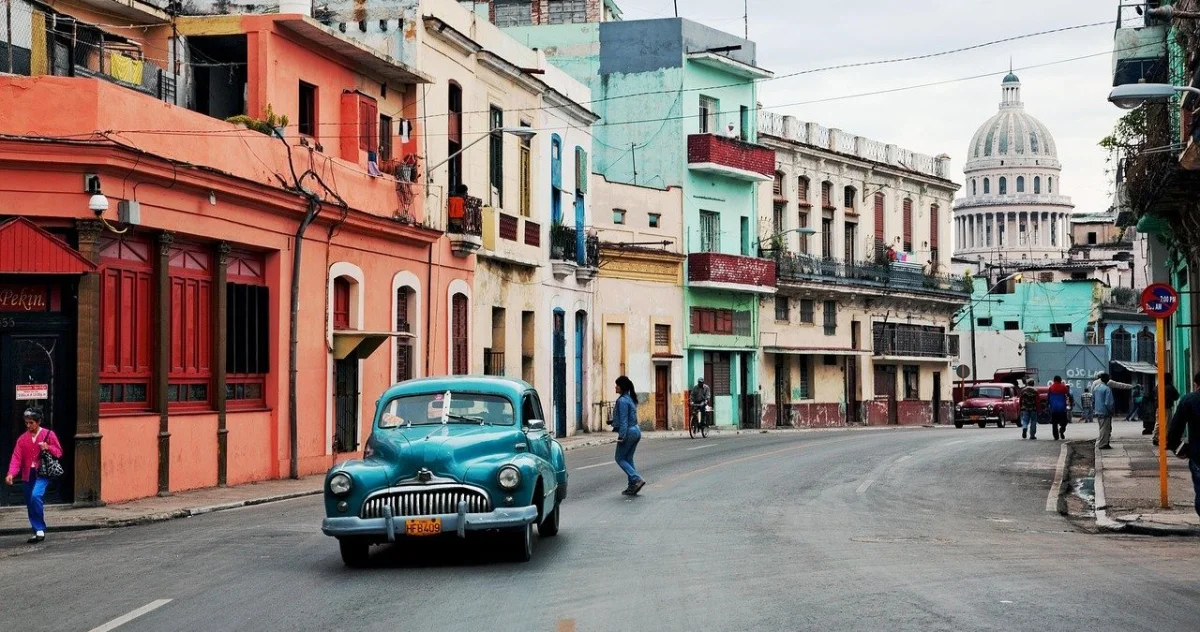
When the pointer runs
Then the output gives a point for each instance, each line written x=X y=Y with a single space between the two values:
x=24 y=298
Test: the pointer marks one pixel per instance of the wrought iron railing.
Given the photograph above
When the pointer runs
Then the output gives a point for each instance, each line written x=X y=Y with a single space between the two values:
x=910 y=341
x=564 y=246
x=799 y=267
x=493 y=362
x=471 y=221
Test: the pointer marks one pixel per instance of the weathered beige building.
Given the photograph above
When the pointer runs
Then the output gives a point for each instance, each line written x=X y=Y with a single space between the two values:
x=858 y=331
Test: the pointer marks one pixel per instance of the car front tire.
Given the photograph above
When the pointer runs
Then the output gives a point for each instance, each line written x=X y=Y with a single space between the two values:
x=982 y=424
x=548 y=528
x=521 y=543
x=355 y=552
x=958 y=424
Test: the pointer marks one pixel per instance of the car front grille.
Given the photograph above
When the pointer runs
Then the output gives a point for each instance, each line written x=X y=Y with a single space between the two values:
x=426 y=502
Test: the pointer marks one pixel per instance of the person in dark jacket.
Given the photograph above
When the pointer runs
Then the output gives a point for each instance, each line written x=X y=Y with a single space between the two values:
x=1172 y=398
x=1029 y=411
x=625 y=424
x=1187 y=418
x=1057 y=402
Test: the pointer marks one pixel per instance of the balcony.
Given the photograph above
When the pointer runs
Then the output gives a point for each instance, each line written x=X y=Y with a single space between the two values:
x=465 y=225
x=730 y=157
x=797 y=268
x=566 y=257
x=731 y=272
x=1139 y=45
x=911 y=341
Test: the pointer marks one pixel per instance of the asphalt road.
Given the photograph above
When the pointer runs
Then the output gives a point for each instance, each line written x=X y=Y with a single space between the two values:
x=927 y=529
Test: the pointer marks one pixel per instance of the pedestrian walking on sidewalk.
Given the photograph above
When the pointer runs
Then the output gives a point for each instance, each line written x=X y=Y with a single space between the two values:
x=1086 y=403
x=1104 y=411
x=1135 y=404
x=625 y=423
x=1029 y=411
x=1187 y=419
x=26 y=458
x=1057 y=402
x=1172 y=397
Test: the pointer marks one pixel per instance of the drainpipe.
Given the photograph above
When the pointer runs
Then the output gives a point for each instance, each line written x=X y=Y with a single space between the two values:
x=314 y=207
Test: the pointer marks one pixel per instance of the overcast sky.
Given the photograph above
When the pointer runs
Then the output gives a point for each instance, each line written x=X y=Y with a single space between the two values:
x=1070 y=98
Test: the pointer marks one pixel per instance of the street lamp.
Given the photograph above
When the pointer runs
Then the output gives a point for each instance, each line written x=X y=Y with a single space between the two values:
x=522 y=132
x=804 y=231
x=1132 y=95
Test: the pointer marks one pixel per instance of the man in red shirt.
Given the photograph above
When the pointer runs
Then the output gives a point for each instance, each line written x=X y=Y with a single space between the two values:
x=1059 y=404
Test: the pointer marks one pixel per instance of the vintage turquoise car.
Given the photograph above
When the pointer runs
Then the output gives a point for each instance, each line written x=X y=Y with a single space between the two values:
x=450 y=456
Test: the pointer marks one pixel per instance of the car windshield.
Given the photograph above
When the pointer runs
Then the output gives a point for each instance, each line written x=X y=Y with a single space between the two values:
x=426 y=409
x=994 y=392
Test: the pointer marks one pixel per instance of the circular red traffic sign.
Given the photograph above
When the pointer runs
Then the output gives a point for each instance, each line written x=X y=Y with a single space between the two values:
x=1160 y=300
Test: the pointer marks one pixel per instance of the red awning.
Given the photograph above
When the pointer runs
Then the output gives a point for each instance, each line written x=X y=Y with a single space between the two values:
x=27 y=249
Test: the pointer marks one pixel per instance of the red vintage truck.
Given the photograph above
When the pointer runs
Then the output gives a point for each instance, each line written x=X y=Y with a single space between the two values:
x=995 y=401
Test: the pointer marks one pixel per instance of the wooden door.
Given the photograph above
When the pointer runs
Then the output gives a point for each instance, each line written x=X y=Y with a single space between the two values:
x=885 y=388
x=662 y=395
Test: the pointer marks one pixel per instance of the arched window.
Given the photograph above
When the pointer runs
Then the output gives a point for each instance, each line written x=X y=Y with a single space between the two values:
x=974 y=189
x=1003 y=185
x=341 y=303
x=802 y=189
x=1050 y=184
x=1020 y=184
x=459 y=353
x=1122 y=345
x=987 y=186
x=777 y=186
x=404 y=346
x=848 y=198
x=1037 y=184
x=454 y=107
x=1145 y=346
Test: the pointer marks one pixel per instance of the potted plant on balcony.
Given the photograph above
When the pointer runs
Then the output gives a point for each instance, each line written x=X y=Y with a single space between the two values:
x=270 y=124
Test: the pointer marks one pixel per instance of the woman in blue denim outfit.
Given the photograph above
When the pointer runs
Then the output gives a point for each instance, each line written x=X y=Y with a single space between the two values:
x=625 y=423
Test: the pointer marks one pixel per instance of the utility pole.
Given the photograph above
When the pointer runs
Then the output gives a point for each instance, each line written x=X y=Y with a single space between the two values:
x=746 y=16
x=676 y=8
x=971 y=310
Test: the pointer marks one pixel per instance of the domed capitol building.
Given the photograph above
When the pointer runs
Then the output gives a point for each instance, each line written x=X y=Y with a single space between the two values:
x=1013 y=210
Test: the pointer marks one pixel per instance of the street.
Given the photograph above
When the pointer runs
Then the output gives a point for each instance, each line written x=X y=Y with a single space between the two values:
x=921 y=529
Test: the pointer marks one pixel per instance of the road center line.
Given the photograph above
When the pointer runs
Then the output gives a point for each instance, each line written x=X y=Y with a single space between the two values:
x=1056 y=487
x=126 y=618
x=588 y=467
x=701 y=447
x=904 y=458
x=867 y=483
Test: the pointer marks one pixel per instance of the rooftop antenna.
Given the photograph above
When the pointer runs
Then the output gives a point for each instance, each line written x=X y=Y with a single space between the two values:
x=746 y=16
x=676 y=8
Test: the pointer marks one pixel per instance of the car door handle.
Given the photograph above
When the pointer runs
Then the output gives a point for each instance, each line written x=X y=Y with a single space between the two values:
x=520 y=446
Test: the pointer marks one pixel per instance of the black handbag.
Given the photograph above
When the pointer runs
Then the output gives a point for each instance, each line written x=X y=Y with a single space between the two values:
x=48 y=466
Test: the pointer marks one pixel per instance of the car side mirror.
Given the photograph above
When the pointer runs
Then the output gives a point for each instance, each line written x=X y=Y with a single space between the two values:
x=535 y=424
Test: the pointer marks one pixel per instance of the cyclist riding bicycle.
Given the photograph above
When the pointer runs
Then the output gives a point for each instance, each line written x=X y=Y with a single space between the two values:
x=701 y=399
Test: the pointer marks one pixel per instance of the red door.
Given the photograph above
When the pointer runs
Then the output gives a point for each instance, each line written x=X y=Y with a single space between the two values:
x=662 y=396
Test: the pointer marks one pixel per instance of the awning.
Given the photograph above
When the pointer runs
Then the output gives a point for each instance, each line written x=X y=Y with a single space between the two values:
x=1137 y=367
x=25 y=248
x=361 y=344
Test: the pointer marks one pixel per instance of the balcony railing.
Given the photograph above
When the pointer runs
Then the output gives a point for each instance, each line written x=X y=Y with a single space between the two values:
x=466 y=215
x=731 y=157
x=798 y=267
x=719 y=270
x=910 y=341
x=493 y=362
x=564 y=246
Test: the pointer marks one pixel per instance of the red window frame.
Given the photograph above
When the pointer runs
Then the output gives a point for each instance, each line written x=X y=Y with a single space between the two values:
x=190 y=268
x=245 y=391
x=126 y=324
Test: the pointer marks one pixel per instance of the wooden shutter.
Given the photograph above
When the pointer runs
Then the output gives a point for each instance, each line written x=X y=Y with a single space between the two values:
x=908 y=229
x=459 y=334
x=802 y=188
x=368 y=117
x=933 y=226
x=879 y=236
x=341 y=303
x=581 y=170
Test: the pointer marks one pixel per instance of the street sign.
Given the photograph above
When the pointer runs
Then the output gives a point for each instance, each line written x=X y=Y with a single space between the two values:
x=1159 y=300
x=26 y=392
x=962 y=371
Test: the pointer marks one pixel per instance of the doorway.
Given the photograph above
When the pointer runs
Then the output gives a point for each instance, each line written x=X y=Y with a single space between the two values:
x=782 y=388
x=937 y=397
x=885 y=388
x=345 y=404
x=580 y=388
x=851 y=394
x=37 y=366
x=662 y=395
x=560 y=373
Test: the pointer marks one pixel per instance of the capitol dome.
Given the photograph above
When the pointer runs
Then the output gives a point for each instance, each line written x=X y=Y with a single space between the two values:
x=1013 y=209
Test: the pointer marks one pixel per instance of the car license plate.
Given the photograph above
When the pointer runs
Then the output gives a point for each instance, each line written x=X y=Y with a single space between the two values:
x=432 y=526
x=974 y=416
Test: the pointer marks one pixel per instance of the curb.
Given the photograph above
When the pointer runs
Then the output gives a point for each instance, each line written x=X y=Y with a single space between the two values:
x=718 y=433
x=1109 y=525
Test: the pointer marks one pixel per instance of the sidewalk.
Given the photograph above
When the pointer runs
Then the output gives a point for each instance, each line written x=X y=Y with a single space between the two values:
x=1127 y=487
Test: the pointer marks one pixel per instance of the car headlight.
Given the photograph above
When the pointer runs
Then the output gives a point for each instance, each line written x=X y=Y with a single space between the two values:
x=990 y=408
x=339 y=484
x=509 y=477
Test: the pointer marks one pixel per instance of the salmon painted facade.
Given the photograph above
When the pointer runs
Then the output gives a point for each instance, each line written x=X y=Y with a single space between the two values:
x=160 y=246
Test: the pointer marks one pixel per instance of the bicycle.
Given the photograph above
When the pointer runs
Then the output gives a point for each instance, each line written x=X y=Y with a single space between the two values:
x=699 y=423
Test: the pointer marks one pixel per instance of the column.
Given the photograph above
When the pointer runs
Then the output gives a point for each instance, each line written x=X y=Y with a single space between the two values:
x=162 y=357
x=87 y=376
x=220 y=333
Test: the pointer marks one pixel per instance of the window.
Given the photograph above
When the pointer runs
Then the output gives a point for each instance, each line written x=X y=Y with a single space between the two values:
x=1122 y=345
x=341 y=303
x=1003 y=185
x=984 y=321
x=307 y=121
x=934 y=230
x=618 y=216
x=745 y=223
x=1046 y=277
x=493 y=357
x=1091 y=239
x=1058 y=330
x=1145 y=346
x=247 y=331
x=496 y=156
x=848 y=199
x=806 y=390
x=662 y=338
x=1011 y=325
x=743 y=324
x=908 y=226
x=1050 y=184
x=368 y=114
x=1037 y=184
x=525 y=167
x=781 y=308
x=827 y=195
x=777 y=185
x=987 y=186
x=454 y=108
x=190 y=369
x=1079 y=276
x=827 y=238
x=654 y=220
x=404 y=346
x=565 y=12
x=126 y=271
x=745 y=133
x=806 y=311
x=513 y=14
x=830 y=318
x=717 y=372
x=460 y=360
x=802 y=190
x=385 y=137
x=952 y=344
x=974 y=188
x=712 y=321
x=880 y=235
x=709 y=121
x=850 y=241
x=802 y=222
x=1020 y=184
x=710 y=231
x=912 y=382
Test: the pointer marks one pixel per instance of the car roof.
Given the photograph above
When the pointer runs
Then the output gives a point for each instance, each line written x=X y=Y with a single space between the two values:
x=483 y=384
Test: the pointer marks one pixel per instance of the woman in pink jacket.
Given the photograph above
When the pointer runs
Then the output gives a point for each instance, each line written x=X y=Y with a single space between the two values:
x=25 y=460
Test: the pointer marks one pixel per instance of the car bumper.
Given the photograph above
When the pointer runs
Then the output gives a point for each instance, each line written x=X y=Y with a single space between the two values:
x=390 y=527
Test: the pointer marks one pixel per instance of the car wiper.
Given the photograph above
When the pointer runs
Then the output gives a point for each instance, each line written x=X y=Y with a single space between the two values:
x=464 y=419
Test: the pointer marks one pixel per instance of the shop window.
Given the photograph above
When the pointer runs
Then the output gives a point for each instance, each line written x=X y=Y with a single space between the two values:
x=247 y=331
x=126 y=325
x=190 y=370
